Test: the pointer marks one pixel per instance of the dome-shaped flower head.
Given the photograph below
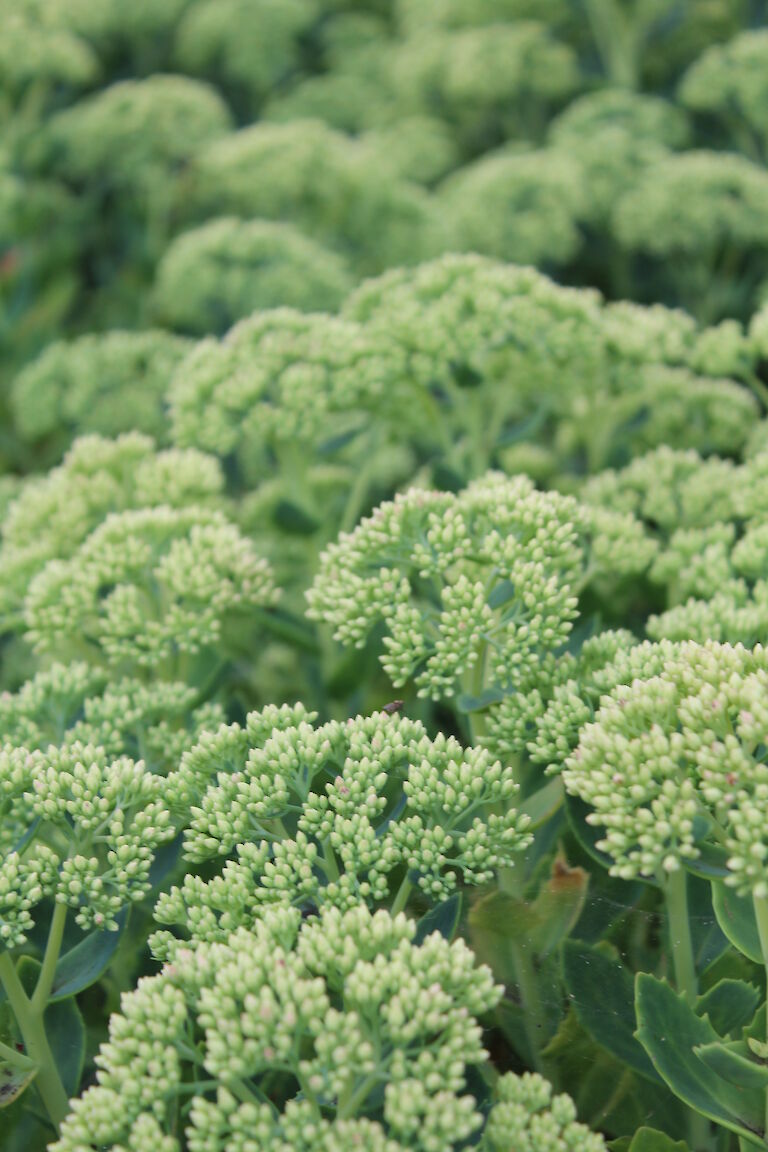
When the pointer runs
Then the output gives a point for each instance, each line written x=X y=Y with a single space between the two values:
x=518 y=205
x=482 y=583
x=79 y=828
x=369 y=811
x=371 y=1032
x=677 y=758
x=491 y=83
x=692 y=213
x=528 y=1117
x=157 y=588
x=246 y=48
x=322 y=182
x=136 y=134
x=730 y=82
x=222 y=271
x=106 y=383
x=53 y=514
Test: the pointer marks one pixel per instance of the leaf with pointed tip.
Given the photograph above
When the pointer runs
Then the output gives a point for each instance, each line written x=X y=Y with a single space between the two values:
x=443 y=918
x=730 y=1005
x=651 y=1140
x=735 y=1063
x=602 y=992
x=542 y=805
x=84 y=964
x=669 y=1031
x=736 y=916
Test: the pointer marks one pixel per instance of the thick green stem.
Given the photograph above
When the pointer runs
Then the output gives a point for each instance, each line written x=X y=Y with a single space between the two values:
x=401 y=898
x=534 y=1020
x=32 y=1027
x=676 y=894
x=761 y=915
x=349 y=1102
x=50 y=959
x=615 y=41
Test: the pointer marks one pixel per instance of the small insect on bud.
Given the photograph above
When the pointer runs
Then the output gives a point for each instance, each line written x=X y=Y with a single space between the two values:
x=395 y=706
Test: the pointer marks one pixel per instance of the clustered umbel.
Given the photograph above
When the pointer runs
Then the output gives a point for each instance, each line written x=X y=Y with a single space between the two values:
x=366 y=811
x=79 y=828
x=675 y=759
x=365 y=1034
x=362 y=349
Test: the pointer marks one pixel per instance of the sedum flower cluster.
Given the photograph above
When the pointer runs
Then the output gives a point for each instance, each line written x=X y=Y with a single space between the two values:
x=528 y=1116
x=104 y=384
x=151 y=588
x=364 y=1035
x=53 y=515
x=366 y=811
x=78 y=828
x=675 y=758
x=227 y=268
x=480 y=587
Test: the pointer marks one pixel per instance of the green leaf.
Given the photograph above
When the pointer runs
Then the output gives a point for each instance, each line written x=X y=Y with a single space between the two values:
x=292 y=518
x=558 y=906
x=735 y=1063
x=467 y=703
x=543 y=804
x=669 y=1031
x=66 y=1035
x=651 y=1140
x=84 y=964
x=736 y=916
x=443 y=918
x=499 y=921
x=503 y=592
x=602 y=992
x=13 y=1081
x=730 y=1005
x=586 y=834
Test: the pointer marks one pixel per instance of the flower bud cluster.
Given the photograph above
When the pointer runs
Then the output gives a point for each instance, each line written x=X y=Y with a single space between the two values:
x=339 y=1006
x=334 y=815
x=77 y=827
x=148 y=588
x=675 y=756
x=51 y=516
x=529 y=1118
x=485 y=575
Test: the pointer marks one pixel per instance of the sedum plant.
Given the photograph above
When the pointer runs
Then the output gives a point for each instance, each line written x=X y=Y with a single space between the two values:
x=492 y=82
x=161 y=589
x=514 y=204
x=53 y=515
x=106 y=384
x=481 y=589
x=672 y=770
x=216 y=274
x=337 y=1031
x=701 y=217
x=322 y=182
x=728 y=83
x=248 y=50
x=369 y=811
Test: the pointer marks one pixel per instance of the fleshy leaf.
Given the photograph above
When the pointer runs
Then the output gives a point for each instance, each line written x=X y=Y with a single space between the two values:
x=670 y=1031
x=736 y=916
x=84 y=964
